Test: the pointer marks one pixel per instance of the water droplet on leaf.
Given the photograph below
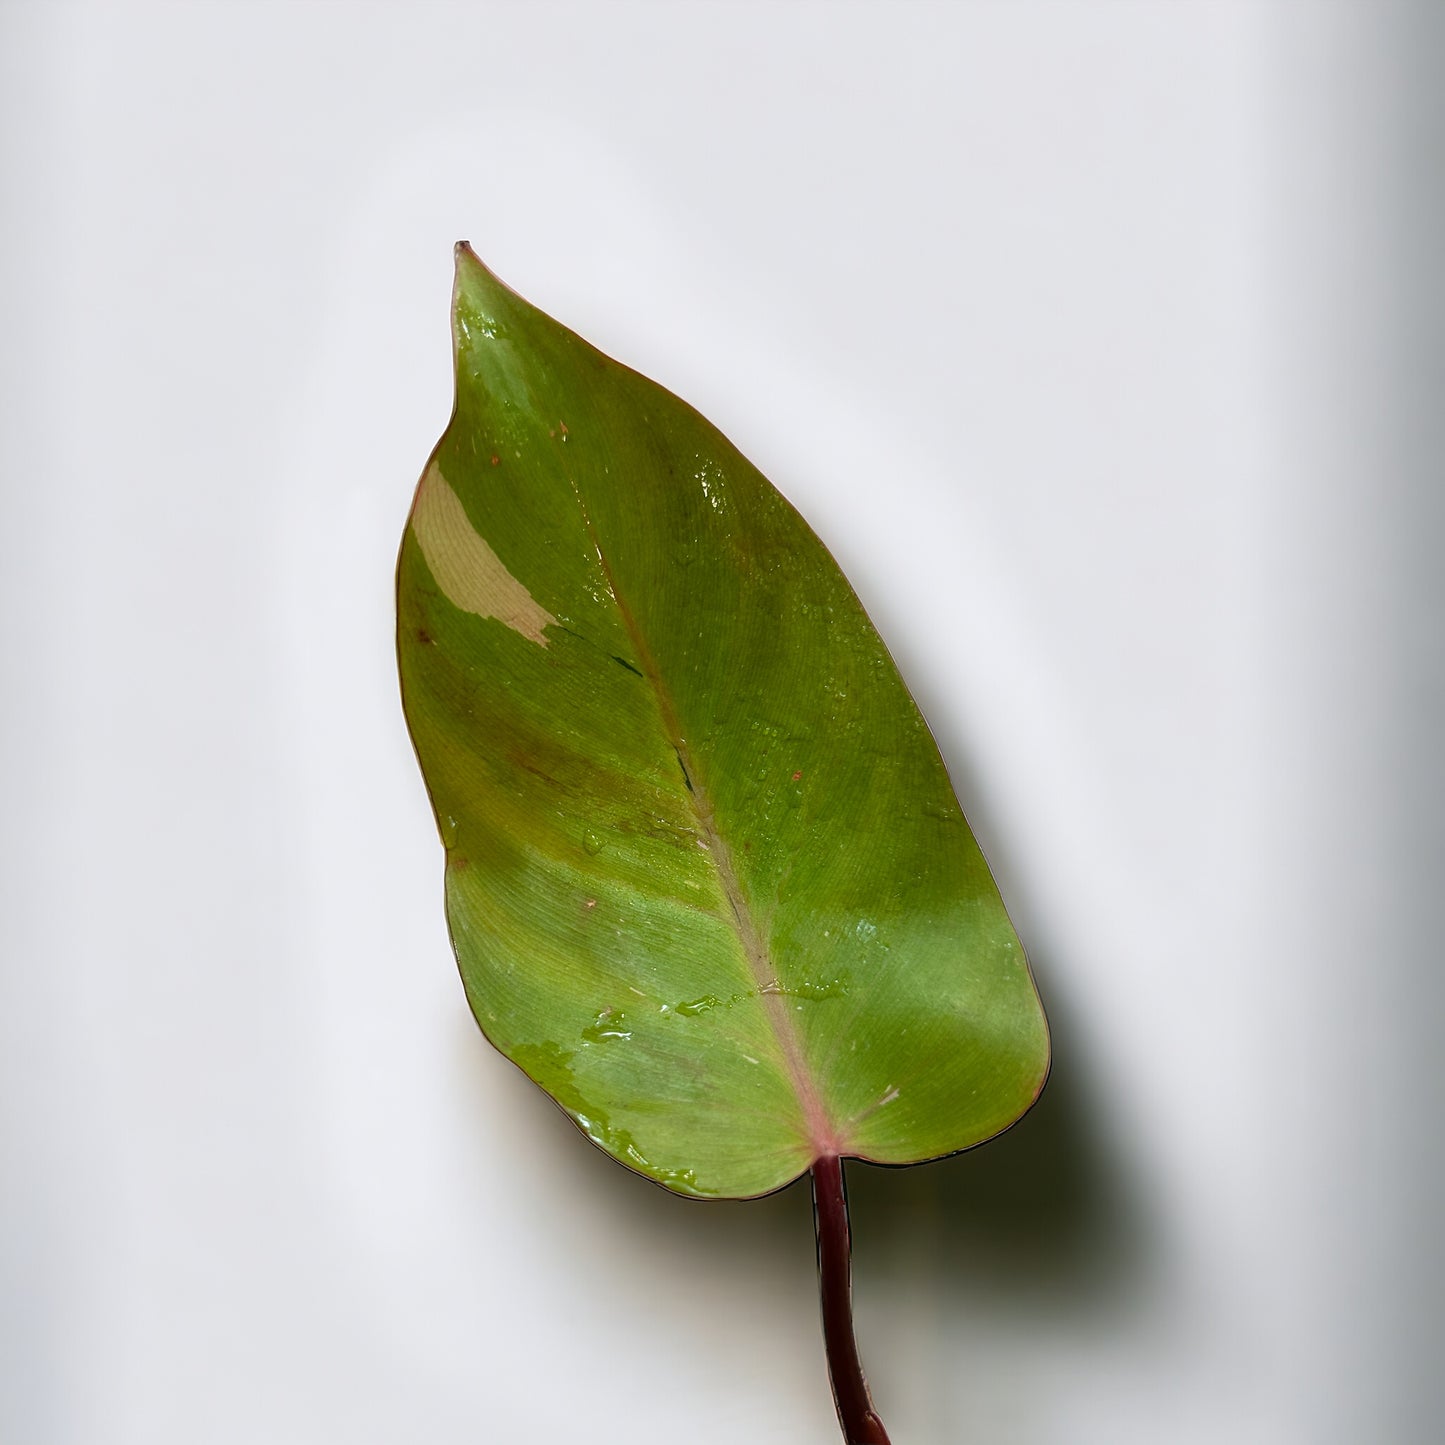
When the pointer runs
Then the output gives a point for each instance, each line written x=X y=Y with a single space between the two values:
x=698 y=1005
x=610 y=1024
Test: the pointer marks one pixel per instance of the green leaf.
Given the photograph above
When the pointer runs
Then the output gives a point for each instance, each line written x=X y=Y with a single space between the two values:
x=707 y=880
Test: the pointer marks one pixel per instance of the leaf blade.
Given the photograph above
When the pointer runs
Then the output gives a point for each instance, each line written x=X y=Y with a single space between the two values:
x=708 y=883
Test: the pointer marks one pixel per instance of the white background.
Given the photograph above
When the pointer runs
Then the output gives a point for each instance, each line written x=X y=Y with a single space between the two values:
x=1100 y=342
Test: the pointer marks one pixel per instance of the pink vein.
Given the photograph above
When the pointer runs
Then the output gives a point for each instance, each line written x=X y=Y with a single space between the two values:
x=821 y=1133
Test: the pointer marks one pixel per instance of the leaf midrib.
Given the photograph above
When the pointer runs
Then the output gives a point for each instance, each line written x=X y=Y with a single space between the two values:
x=820 y=1131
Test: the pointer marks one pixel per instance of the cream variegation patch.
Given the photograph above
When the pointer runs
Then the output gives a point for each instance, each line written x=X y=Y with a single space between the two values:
x=470 y=575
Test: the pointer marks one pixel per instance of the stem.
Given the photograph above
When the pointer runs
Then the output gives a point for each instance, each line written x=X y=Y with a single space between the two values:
x=860 y=1422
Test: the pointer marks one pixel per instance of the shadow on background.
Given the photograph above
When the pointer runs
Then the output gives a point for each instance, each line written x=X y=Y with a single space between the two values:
x=1406 y=1258
x=1045 y=1209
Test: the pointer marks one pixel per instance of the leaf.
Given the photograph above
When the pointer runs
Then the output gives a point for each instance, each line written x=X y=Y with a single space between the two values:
x=707 y=880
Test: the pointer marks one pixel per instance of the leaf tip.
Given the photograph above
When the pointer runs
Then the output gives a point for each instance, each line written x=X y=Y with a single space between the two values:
x=478 y=294
x=471 y=270
x=469 y=267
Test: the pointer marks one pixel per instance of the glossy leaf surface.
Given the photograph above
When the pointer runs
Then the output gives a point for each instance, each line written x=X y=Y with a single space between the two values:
x=707 y=880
